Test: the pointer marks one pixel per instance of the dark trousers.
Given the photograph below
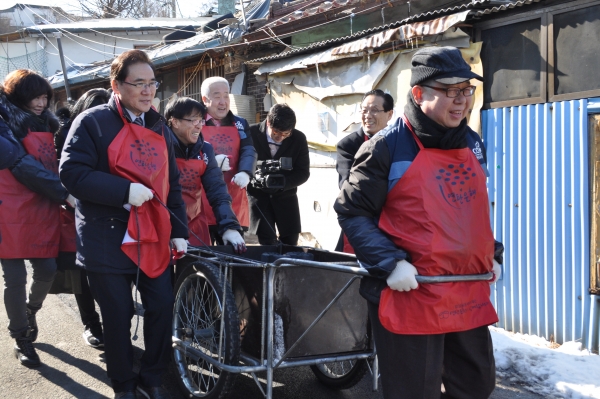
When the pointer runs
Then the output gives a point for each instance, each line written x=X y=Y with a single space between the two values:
x=415 y=366
x=85 y=300
x=85 y=303
x=113 y=293
x=266 y=229
x=16 y=298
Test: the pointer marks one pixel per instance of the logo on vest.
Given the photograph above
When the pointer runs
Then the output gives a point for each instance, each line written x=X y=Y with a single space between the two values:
x=188 y=179
x=454 y=182
x=203 y=157
x=477 y=151
x=222 y=143
x=144 y=155
x=463 y=308
x=239 y=125
x=47 y=156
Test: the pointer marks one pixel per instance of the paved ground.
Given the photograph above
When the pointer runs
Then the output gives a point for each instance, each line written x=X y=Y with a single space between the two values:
x=73 y=370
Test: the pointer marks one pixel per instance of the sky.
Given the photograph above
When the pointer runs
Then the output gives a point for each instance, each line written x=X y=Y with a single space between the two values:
x=188 y=8
x=563 y=372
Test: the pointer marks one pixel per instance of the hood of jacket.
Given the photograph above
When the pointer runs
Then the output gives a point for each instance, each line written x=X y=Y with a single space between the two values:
x=21 y=121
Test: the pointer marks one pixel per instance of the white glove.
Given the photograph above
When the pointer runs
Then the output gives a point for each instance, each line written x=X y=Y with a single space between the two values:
x=497 y=270
x=138 y=194
x=403 y=277
x=234 y=238
x=223 y=162
x=70 y=200
x=241 y=179
x=180 y=244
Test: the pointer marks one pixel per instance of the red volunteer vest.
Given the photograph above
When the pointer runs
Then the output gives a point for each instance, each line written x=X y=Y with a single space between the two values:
x=29 y=222
x=226 y=140
x=438 y=213
x=191 y=172
x=140 y=155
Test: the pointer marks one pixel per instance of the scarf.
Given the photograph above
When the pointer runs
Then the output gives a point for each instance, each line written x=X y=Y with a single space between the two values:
x=432 y=134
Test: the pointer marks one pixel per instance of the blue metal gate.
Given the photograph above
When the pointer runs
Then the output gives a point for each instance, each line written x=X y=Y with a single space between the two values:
x=538 y=158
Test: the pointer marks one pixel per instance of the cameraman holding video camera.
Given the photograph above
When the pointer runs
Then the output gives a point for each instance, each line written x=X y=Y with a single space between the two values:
x=272 y=193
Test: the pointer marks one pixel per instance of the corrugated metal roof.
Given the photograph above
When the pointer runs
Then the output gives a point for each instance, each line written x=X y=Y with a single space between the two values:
x=163 y=55
x=473 y=7
x=119 y=24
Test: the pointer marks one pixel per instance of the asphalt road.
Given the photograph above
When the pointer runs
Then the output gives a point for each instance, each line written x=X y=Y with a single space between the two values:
x=73 y=370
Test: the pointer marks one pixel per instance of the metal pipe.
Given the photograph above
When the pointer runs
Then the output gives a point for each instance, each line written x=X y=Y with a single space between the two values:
x=321 y=360
x=270 y=316
x=58 y=35
x=196 y=354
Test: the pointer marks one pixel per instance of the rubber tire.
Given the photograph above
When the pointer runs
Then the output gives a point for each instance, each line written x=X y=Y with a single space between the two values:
x=207 y=280
x=342 y=381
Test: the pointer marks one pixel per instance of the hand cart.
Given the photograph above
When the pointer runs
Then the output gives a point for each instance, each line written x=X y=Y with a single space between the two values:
x=274 y=307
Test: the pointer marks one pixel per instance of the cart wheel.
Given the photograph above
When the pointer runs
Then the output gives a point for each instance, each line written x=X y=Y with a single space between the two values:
x=197 y=321
x=340 y=375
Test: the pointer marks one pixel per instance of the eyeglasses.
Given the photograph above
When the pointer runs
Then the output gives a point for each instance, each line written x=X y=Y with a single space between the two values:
x=278 y=133
x=453 y=92
x=194 y=122
x=142 y=85
x=373 y=112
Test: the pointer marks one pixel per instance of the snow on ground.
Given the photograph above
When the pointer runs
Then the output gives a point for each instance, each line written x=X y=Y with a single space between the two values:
x=563 y=372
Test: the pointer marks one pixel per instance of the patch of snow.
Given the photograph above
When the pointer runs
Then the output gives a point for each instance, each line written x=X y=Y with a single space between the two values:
x=564 y=372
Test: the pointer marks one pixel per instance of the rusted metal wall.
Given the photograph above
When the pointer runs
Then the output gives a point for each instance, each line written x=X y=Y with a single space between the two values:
x=539 y=186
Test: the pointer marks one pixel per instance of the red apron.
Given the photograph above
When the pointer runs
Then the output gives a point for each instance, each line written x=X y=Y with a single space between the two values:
x=29 y=222
x=226 y=140
x=140 y=155
x=191 y=172
x=438 y=213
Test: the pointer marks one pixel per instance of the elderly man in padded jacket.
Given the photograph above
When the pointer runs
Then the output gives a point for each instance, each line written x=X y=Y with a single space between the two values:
x=274 y=138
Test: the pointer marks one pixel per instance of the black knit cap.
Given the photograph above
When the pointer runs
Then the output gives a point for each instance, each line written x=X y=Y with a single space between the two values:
x=442 y=64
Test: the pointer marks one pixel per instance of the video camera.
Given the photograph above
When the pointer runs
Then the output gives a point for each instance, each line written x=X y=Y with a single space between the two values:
x=266 y=173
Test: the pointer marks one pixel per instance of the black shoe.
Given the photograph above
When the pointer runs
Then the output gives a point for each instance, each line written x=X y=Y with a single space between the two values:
x=153 y=392
x=33 y=327
x=94 y=337
x=126 y=395
x=25 y=352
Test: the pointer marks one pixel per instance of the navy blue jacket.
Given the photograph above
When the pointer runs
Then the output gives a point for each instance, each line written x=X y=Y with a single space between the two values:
x=212 y=182
x=346 y=149
x=9 y=148
x=100 y=218
x=379 y=164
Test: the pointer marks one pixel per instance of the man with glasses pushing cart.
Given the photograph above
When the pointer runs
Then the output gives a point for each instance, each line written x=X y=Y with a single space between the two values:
x=416 y=204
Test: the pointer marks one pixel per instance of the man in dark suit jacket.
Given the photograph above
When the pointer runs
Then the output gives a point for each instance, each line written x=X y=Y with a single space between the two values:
x=275 y=138
x=376 y=110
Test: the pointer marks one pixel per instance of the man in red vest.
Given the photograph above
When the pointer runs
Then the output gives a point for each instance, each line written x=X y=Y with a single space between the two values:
x=119 y=161
x=234 y=151
x=416 y=203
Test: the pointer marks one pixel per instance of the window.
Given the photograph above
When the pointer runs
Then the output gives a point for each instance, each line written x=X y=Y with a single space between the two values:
x=544 y=55
x=575 y=55
x=194 y=75
x=514 y=67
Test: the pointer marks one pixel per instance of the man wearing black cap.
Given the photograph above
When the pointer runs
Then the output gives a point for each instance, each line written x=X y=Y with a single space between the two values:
x=416 y=204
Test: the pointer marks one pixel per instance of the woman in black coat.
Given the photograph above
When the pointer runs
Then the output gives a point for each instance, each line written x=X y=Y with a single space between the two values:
x=31 y=194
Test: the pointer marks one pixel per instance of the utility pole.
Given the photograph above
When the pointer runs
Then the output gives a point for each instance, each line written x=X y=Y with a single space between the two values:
x=173 y=8
x=58 y=35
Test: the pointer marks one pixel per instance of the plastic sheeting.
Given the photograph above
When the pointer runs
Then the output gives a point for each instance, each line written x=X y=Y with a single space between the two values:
x=358 y=75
